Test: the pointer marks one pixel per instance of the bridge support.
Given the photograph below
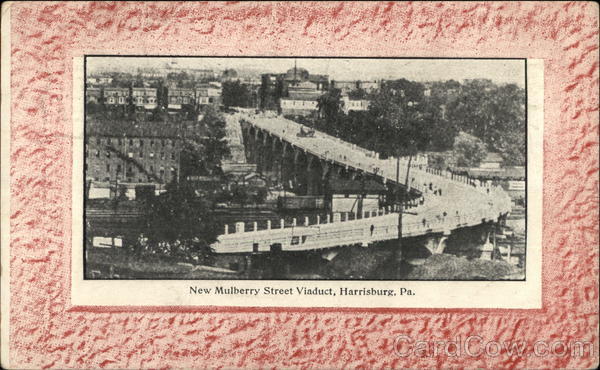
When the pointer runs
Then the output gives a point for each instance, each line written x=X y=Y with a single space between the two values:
x=436 y=244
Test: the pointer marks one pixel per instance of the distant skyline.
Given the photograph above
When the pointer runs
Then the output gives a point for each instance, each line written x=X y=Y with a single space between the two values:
x=499 y=71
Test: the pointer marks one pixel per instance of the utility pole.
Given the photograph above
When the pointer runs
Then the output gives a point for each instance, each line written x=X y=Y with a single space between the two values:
x=399 y=254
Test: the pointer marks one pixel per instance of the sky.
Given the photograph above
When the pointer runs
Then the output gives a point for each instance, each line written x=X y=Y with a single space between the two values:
x=499 y=71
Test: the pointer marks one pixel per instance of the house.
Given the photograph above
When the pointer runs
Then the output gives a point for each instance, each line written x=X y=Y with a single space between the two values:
x=116 y=95
x=93 y=95
x=176 y=97
x=208 y=94
x=144 y=97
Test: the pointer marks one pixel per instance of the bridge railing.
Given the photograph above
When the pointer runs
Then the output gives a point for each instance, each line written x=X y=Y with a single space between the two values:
x=339 y=233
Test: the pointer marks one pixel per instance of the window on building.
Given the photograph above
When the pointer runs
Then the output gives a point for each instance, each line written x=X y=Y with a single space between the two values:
x=130 y=141
x=120 y=141
x=151 y=142
x=172 y=155
x=162 y=155
x=162 y=174
x=173 y=173
x=108 y=141
x=151 y=154
x=130 y=155
x=141 y=142
x=162 y=142
x=98 y=141
x=108 y=168
x=107 y=154
x=141 y=154
x=152 y=169
x=118 y=168
x=97 y=153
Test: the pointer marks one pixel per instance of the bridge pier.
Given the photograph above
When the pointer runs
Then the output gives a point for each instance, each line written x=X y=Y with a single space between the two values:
x=436 y=244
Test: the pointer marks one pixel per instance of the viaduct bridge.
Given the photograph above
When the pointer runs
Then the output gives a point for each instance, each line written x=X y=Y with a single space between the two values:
x=449 y=202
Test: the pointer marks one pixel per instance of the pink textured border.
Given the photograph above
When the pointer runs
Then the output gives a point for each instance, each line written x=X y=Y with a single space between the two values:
x=45 y=332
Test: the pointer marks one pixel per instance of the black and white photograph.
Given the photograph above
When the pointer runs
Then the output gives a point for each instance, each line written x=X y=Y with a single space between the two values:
x=304 y=168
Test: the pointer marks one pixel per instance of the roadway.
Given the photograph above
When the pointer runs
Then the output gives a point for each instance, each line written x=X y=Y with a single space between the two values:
x=448 y=203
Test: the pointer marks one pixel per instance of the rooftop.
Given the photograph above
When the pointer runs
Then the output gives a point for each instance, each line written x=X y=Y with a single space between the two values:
x=123 y=128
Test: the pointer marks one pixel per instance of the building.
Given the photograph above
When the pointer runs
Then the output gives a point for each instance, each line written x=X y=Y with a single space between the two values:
x=116 y=95
x=348 y=86
x=492 y=160
x=354 y=196
x=368 y=86
x=298 y=106
x=99 y=80
x=208 y=94
x=144 y=97
x=321 y=81
x=132 y=153
x=344 y=86
x=177 y=97
x=353 y=105
x=93 y=95
x=296 y=75
x=304 y=90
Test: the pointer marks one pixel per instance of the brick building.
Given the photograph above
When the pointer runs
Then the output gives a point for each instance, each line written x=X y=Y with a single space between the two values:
x=143 y=152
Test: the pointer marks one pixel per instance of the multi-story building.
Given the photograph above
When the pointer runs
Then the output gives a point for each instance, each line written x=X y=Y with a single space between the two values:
x=176 y=97
x=144 y=97
x=298 y=106
x=208 y=94
x=146 y=152
x=116 y=95
x=347 y=86
x=93 y=95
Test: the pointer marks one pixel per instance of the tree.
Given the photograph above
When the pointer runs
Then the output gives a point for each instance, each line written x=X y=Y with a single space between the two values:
x=205 y=146
x=405 y=124
x=357 y=94
x=239 y=194
x=330 y=105
x=469 y=151
x=259 y=196
x=236 y=94
x=495 y=114
x=180 y=216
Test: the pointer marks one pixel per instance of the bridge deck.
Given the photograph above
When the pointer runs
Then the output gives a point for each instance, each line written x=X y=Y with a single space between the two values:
x=458 y=204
